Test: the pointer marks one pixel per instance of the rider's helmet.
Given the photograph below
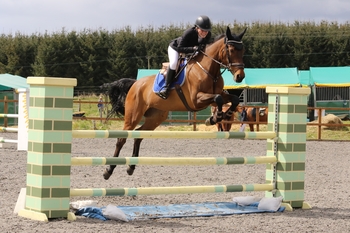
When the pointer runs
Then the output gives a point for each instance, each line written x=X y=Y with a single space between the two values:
x=203 y=22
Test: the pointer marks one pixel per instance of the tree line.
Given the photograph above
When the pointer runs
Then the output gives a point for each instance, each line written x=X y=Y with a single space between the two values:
x=96 y=57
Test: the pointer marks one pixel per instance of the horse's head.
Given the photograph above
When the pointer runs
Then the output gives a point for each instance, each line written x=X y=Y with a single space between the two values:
x=233 y=54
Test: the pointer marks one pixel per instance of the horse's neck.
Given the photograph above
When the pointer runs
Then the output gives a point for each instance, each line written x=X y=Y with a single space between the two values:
x=213 y=55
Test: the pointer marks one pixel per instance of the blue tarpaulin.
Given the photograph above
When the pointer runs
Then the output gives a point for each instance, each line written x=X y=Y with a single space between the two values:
x=207 y=209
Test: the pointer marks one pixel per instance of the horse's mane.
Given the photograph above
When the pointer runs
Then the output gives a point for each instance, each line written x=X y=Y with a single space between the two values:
x=218 y=37
x=233 y=38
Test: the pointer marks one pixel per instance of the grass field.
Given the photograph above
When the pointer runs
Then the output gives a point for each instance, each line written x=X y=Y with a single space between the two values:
x=91 y=110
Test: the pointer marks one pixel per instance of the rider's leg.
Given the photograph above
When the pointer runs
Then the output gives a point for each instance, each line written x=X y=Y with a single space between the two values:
x=173 y=58
x=168 y=80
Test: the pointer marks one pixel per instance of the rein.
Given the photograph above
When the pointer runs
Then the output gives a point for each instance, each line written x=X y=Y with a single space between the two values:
x=215 y=79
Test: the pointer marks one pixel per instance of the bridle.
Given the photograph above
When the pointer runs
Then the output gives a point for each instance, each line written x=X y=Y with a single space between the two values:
x=229 y=64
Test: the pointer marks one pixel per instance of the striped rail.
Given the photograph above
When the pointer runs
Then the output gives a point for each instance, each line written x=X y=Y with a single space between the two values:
x=3 y=140
x=171 y=134
x=172 y=161
x=9 y=115
x=170 y=190
x=9 y=129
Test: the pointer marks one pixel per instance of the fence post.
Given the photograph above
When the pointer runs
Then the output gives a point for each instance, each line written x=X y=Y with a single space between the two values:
x=6 y=106
x=290 y=148
x=49 y=148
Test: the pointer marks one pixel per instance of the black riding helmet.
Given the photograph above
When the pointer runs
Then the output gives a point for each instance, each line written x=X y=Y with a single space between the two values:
x=203 y=22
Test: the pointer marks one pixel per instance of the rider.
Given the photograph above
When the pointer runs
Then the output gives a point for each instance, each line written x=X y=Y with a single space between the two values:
x=193 y=39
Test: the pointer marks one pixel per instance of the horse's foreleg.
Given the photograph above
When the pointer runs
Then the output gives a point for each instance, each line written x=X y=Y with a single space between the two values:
x=217 y=117
x=119 y=145
x=233 y=107
x=135 y=153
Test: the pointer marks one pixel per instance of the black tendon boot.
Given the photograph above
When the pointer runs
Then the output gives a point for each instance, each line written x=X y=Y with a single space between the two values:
x=164 y=92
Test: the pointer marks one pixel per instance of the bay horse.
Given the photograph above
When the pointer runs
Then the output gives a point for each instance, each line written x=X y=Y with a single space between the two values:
x=253 y=114
x=250 y=116
x=202 y=87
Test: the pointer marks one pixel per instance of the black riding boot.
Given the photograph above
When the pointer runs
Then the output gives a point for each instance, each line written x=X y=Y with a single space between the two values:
x=164 y=92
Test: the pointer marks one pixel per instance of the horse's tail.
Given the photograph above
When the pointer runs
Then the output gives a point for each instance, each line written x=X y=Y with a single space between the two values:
x=117 y=92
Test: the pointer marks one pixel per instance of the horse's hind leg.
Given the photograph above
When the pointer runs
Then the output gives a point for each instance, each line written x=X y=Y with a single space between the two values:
x=135 y=153
x=119 y=145
x=153 y=118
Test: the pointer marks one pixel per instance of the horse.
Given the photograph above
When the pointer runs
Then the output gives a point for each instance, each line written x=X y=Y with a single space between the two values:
x=223 y=126
x=203 y=86
x=253 y=115
x=250 y=116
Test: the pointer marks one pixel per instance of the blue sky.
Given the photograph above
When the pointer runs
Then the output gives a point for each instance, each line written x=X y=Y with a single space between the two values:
x=40 y=16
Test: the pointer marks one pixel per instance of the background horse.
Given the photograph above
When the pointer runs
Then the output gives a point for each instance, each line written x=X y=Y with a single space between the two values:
x=254 y=115
x=203 y=87
x=251 y=116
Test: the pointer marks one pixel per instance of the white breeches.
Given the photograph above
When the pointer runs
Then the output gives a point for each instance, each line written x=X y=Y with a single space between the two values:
x=173 y=58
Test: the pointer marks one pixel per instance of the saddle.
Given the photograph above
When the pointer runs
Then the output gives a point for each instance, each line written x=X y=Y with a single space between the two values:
x=179 y=79
x=261 y=112
x=180 y=63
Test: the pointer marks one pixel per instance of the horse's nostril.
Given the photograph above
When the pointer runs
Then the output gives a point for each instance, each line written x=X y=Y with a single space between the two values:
x=238 y=79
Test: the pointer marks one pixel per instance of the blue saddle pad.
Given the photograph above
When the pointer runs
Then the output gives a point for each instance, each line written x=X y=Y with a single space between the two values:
x=159 y=81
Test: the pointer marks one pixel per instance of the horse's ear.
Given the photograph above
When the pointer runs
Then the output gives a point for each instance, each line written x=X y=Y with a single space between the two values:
x=228 y=32
x=240 y=36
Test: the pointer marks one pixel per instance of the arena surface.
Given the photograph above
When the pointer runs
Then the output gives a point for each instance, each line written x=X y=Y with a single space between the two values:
x=326 y=187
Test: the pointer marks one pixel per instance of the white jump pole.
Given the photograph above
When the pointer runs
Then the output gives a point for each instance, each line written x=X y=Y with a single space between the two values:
x=23 y=119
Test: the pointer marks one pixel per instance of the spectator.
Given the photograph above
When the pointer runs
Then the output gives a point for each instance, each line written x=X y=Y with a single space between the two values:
x=100 y=106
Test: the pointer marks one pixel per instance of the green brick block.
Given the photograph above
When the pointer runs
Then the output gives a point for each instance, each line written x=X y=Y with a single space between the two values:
x=41 y=192
x=284 y=166
x=60 y=192
x=62 y=148
x=42 y=147
x=62 y=125
x=43 y=102
x=63 y=103
x=60 y=170
x=42 y=125
x=59 y=213
x=298 y=166
x=298 y=185
x=41 y=170
x=286 y=108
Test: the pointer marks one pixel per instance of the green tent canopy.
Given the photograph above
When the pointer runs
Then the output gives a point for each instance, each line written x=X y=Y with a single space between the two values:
x=263 y=77
x=255 y=77
x=305 y=78
x=9 y=81
x=330 y=76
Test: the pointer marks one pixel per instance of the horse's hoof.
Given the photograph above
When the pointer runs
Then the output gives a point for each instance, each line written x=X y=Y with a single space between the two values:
x=207 y=122
x=106 y=175
x=130 y=171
